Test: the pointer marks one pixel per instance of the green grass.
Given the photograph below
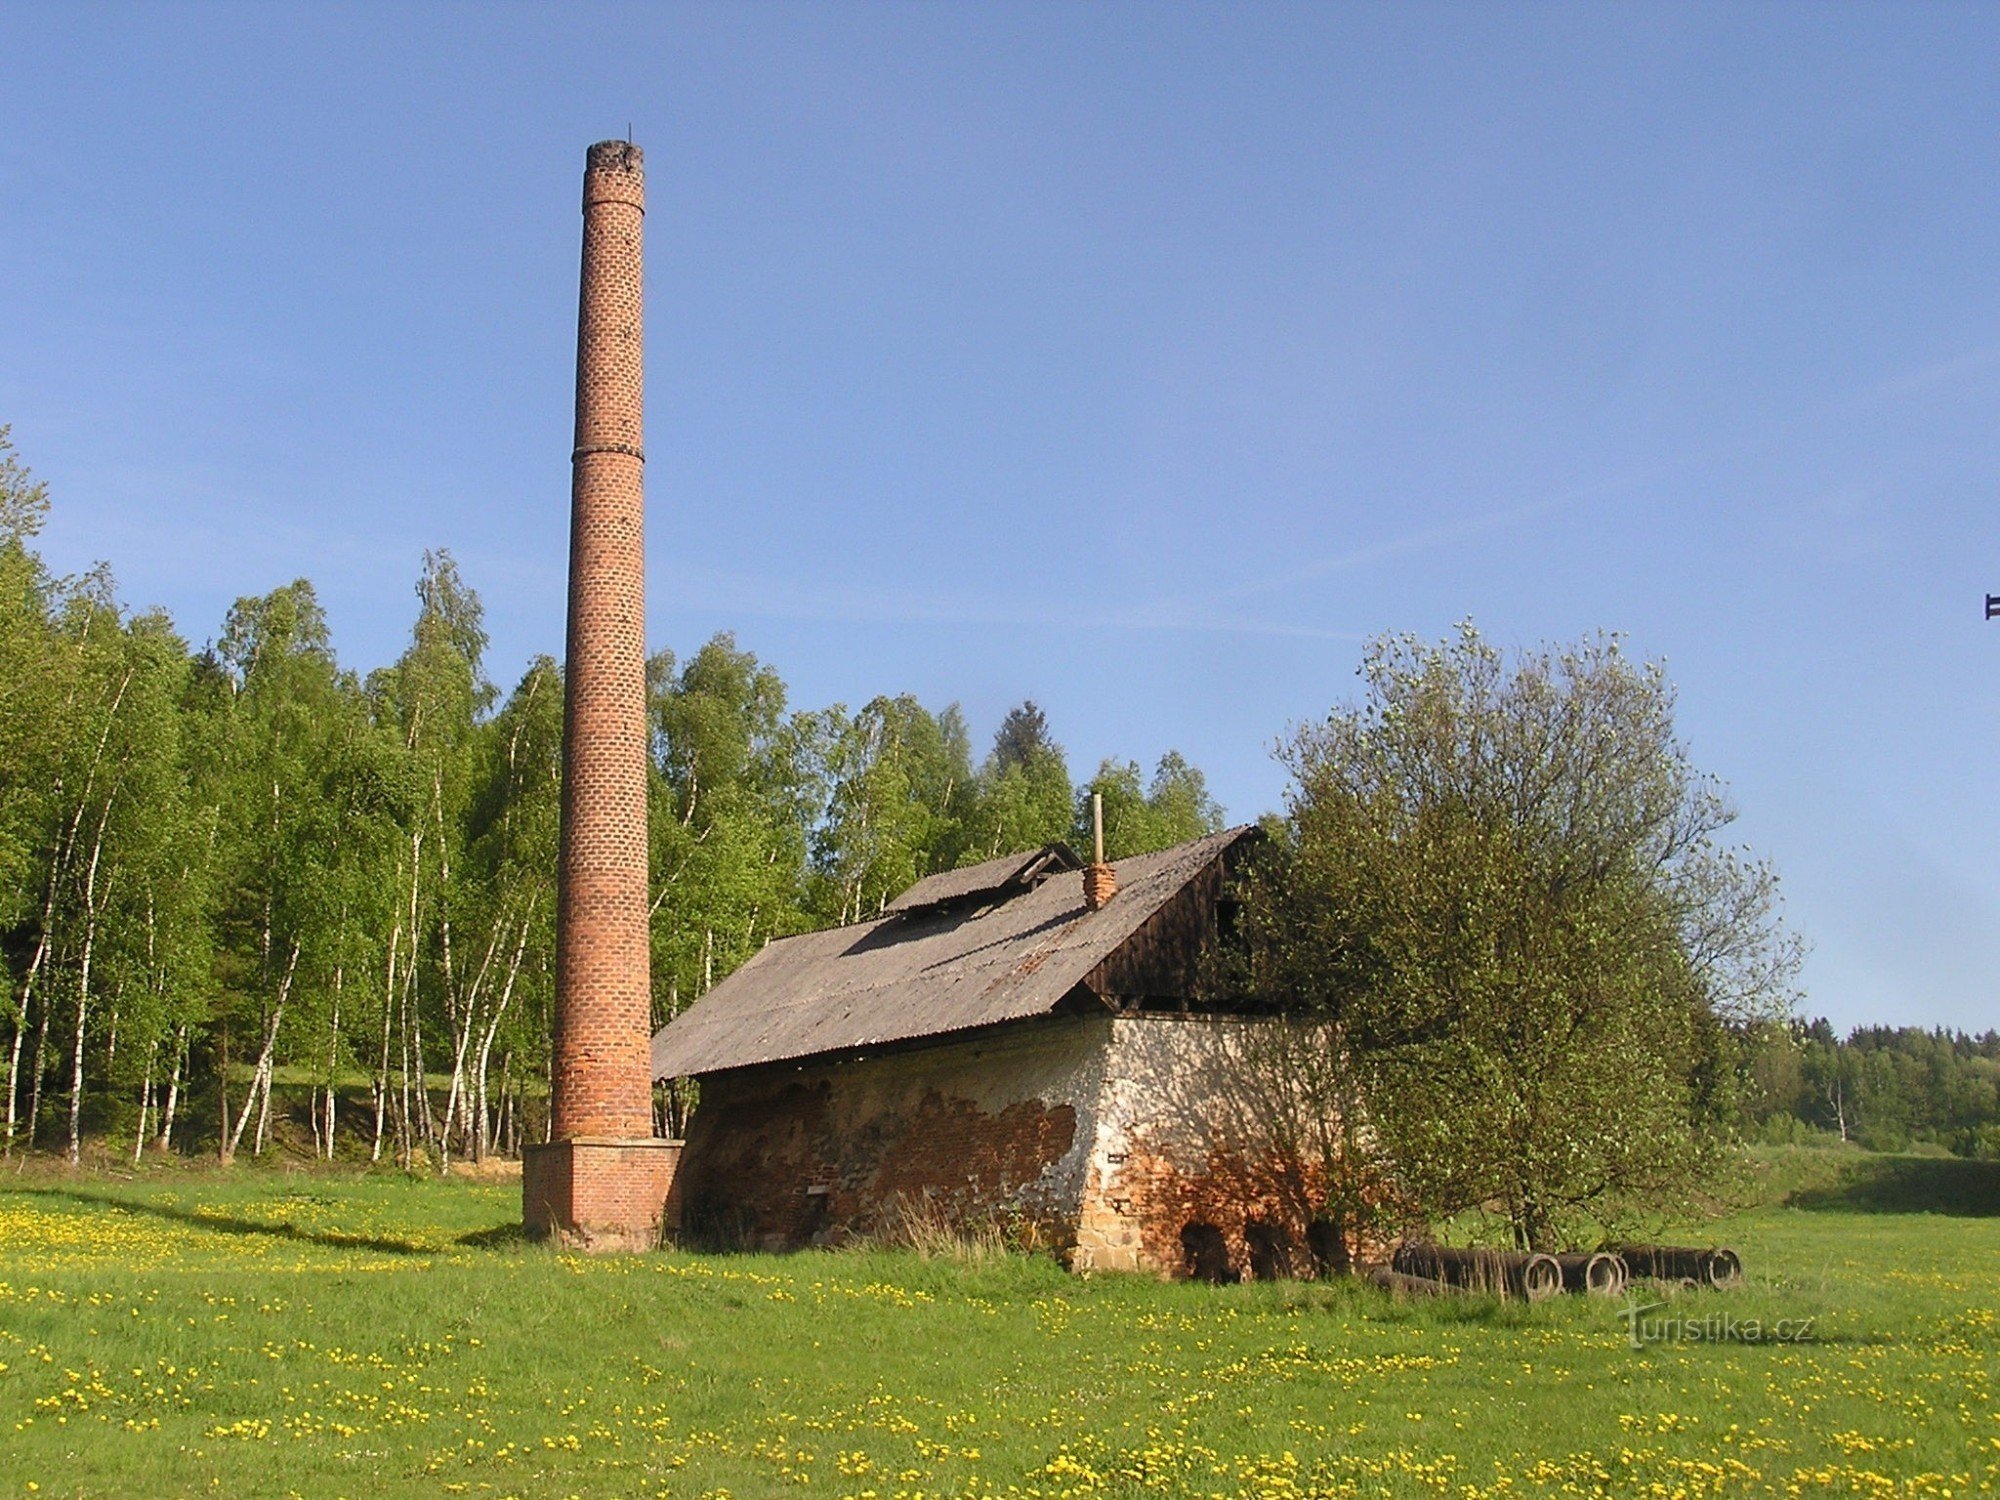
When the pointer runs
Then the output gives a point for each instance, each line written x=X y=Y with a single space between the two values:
x=193 y=1332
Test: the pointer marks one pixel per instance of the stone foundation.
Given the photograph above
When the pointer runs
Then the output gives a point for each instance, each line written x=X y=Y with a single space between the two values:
x=600 y=1194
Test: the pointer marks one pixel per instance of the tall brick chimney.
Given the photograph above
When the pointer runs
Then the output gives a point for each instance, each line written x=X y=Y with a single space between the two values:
x=601 y=1182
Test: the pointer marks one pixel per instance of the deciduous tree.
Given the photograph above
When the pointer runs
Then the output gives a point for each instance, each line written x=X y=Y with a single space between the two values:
x=1507 y=884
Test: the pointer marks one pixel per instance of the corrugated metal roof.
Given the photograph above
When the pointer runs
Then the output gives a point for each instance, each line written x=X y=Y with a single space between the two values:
x=988 y=878
x=921 y=974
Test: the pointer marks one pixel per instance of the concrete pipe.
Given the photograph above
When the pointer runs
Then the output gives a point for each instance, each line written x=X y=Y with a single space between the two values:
x=1528 y=1275
x=1720 y=1267
x=1599 y=1274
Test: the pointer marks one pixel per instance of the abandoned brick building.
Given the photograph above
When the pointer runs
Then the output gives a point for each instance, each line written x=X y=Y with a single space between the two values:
x=1019 y=1042
x=1015 y=1043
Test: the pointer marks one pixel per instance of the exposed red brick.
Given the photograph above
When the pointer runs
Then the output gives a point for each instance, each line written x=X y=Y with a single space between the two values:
x=787 y=1157
x=600 y=1195
x=609 y=1190
x=1100 y=884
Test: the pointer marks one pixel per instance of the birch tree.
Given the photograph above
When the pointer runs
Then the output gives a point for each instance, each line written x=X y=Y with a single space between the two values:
x=33 y=736
x=509 y=909
x=729 y=807
x=282 y=835
x=1138 y=818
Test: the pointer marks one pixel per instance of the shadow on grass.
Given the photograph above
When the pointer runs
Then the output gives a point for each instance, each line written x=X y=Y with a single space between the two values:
x=499 y=1237
x=223 y=1224
x=1911 y=1185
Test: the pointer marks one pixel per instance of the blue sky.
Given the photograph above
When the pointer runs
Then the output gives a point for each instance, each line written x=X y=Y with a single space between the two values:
x=1141 y=360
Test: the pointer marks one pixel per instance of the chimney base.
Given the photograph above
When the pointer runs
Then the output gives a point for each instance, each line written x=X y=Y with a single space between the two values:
x=600 y=1195
x=1100 y=884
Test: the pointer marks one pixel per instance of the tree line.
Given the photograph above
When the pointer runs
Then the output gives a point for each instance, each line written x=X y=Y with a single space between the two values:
x=1539 y=981
x=241 y=868
x=1886 y=1088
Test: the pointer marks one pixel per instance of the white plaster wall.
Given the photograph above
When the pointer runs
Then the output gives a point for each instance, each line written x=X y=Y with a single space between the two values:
x=1184 y=1081
x=1179 y=1093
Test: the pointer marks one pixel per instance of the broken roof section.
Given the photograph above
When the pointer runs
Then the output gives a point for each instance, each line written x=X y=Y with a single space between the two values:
x=928 y=968
x=991 y=880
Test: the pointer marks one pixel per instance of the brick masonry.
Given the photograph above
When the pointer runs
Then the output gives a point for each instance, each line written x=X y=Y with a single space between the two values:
x=1103 y=1137
x=600 y=1195
x=607 y=1185
x=1100 y=884
x=784 y=1156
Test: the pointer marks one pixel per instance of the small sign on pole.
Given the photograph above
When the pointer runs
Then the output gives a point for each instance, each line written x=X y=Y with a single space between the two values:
x=1993 y=606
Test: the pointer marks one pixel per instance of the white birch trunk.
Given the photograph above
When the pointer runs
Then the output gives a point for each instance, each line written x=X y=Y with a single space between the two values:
x=382 y=1072
x=166 y=1137
x=480 y=1142
x=83 y=989
x=260 y=1085
x=145 y=1104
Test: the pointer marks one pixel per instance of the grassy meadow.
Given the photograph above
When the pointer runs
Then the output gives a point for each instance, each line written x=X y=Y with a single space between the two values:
x=180 y=1332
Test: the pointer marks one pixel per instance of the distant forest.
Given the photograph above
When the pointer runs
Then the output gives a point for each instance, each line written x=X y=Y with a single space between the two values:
x=242 y=868
x=241 y=872
x=1886 y=1088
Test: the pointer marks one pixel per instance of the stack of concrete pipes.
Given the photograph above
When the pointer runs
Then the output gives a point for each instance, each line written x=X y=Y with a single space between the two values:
x=1442 y=1270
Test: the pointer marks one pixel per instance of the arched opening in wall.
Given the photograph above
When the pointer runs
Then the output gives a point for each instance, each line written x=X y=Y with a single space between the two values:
x=712 y=1224
x=1270 y=1249
x=1326 y=1242
x=1206 y=1255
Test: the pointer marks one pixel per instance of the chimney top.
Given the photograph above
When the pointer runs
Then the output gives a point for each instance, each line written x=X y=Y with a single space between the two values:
x=616 y=156
x=615 y=172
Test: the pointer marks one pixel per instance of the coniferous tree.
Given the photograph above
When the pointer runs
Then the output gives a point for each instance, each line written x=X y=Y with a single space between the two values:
x=1024 y=794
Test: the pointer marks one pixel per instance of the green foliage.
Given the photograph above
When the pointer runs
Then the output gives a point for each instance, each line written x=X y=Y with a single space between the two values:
x=887 y=776
x=1139 y=819
x=24 y=500
x=727 y=832
x=1505 y=884
x=1887 y=1088
x=1024 y=796
x=224 y=868
x=29 y=694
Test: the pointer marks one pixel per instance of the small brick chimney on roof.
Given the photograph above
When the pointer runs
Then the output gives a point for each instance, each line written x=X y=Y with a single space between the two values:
x=602 y=1180
x=1100 y=881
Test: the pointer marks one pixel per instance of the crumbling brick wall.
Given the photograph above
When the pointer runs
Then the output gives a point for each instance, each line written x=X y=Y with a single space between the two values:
x=1105 y=1138
x=991 y=1129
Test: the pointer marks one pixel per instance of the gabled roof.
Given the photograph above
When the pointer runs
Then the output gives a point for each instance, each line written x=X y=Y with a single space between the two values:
x=1007 y=875
x=923 y=973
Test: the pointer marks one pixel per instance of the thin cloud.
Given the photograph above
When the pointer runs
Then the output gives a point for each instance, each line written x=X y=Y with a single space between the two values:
x=1929 y=377
x=1415 y=541
x=757 y=597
